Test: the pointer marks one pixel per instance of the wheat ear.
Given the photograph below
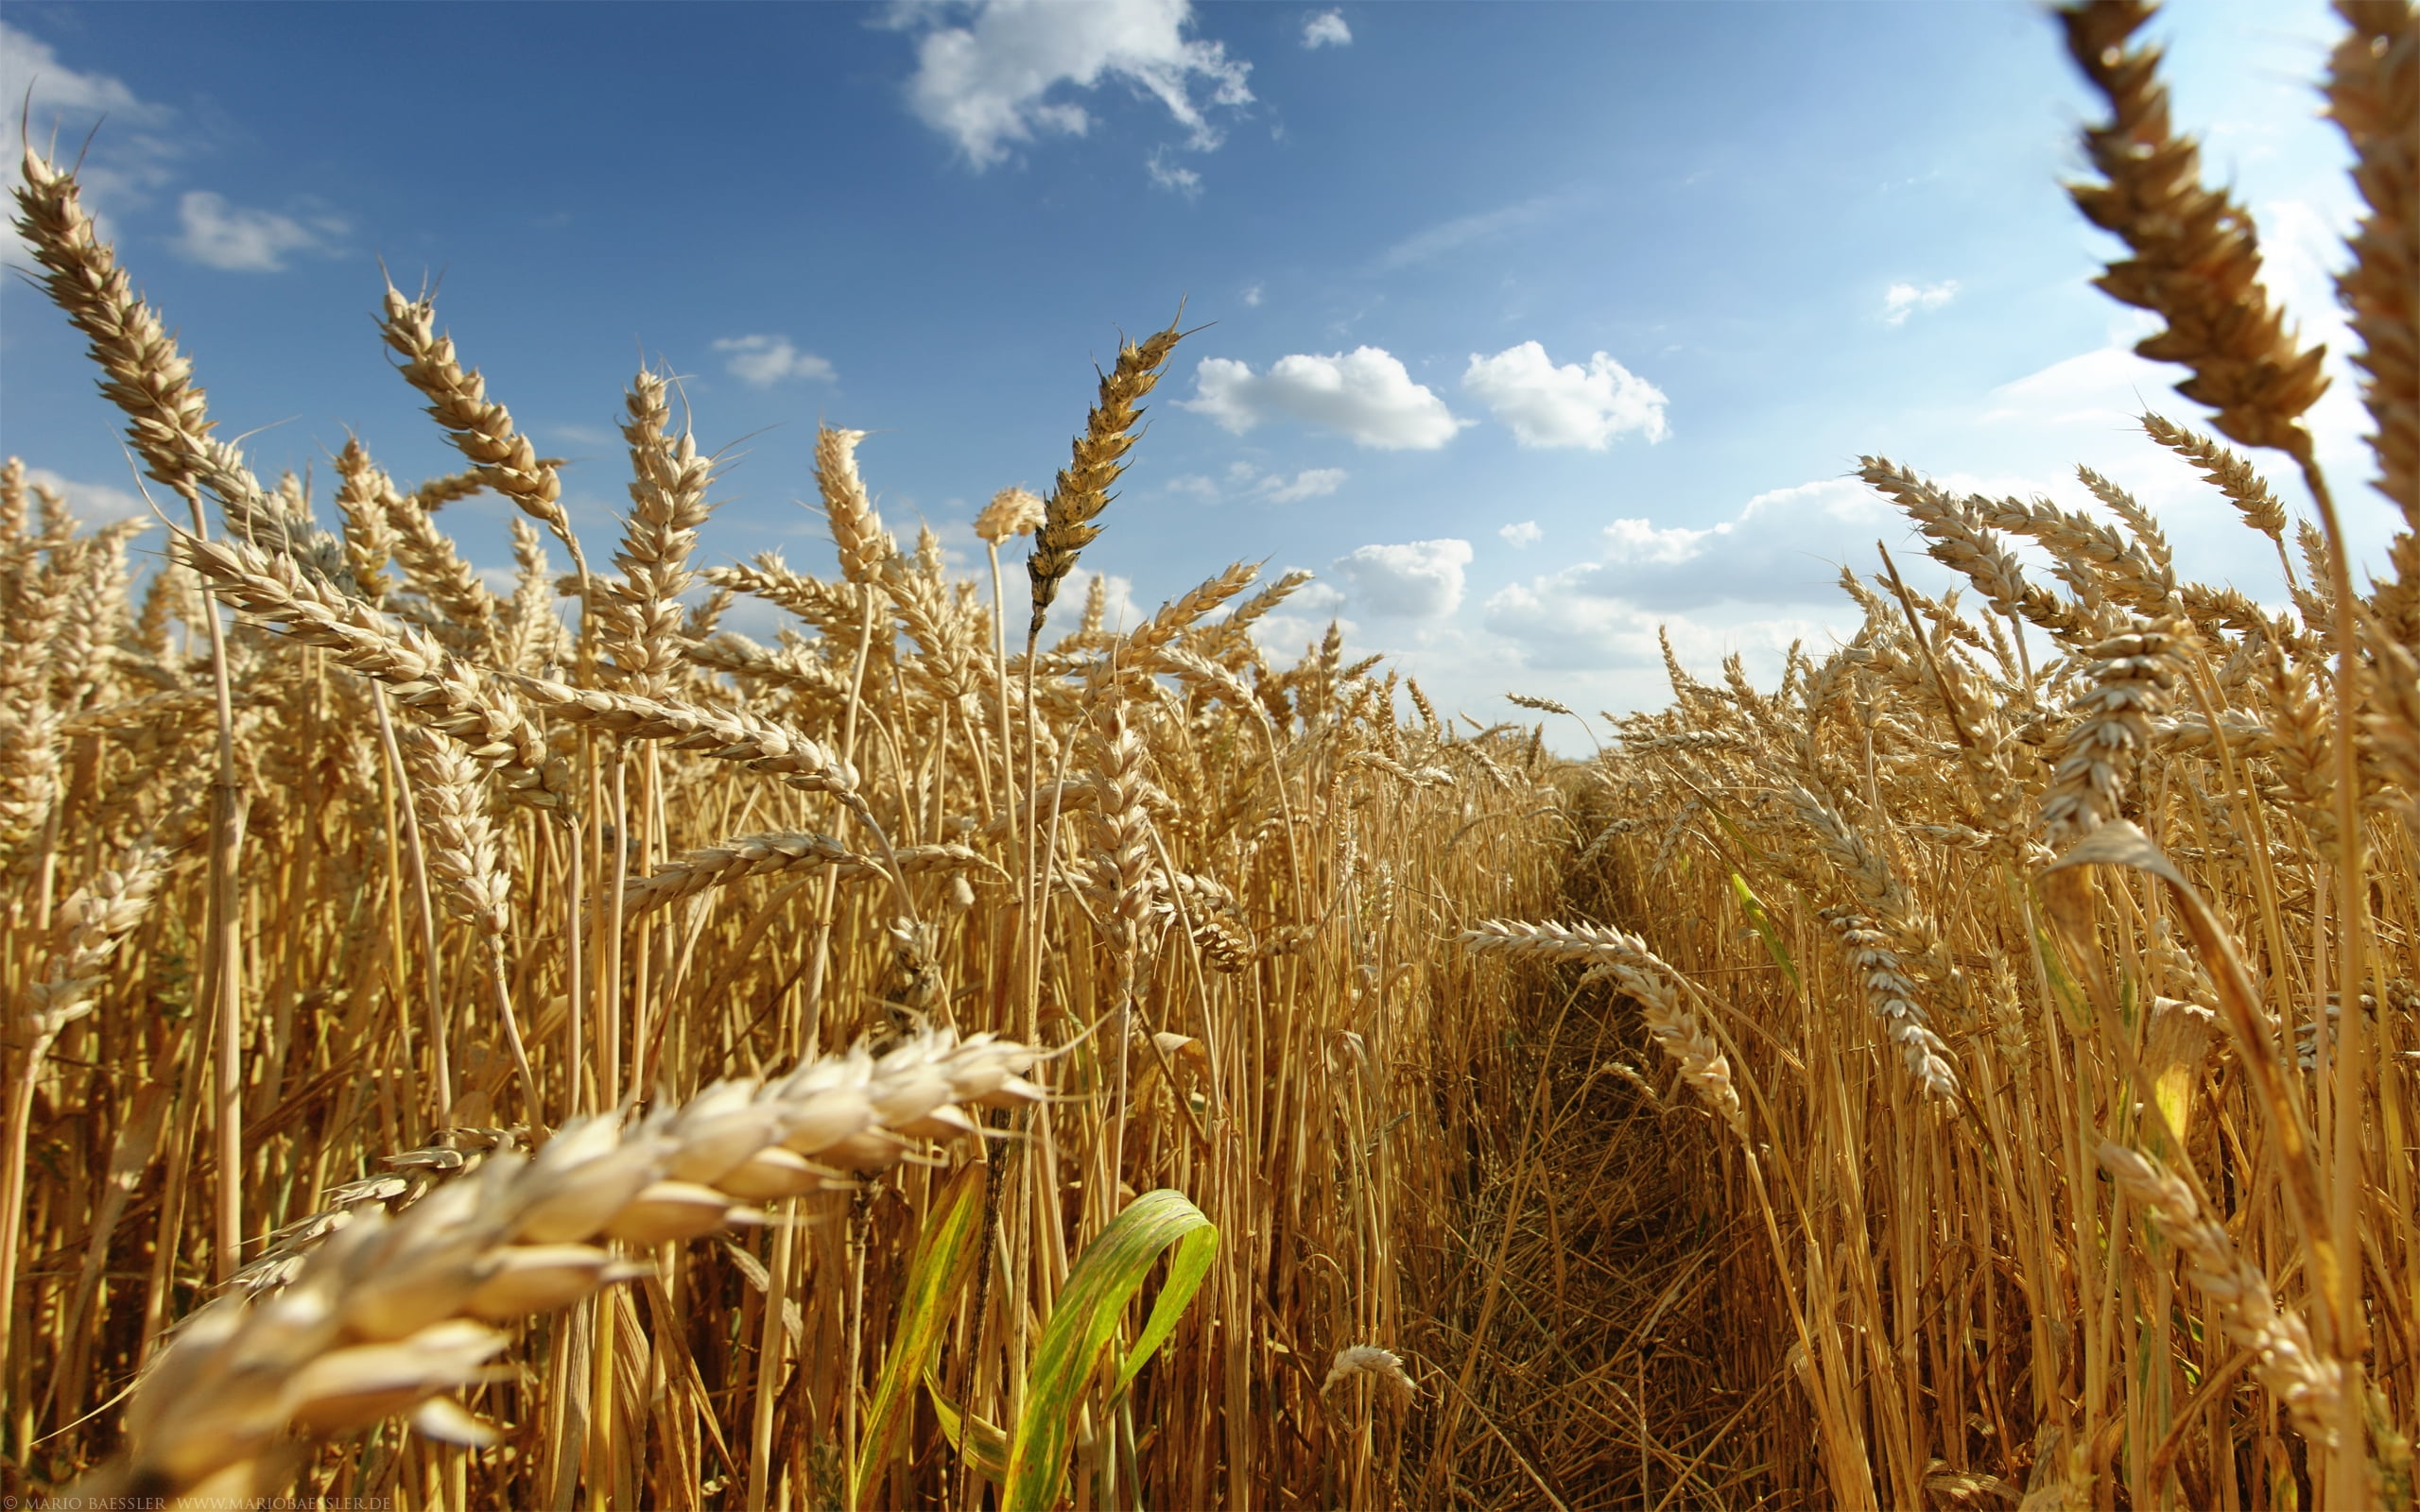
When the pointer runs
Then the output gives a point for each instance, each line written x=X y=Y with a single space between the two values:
x=1638 y=972
x=1081 y=491
x=2197 y=256
x=502 y=457
x=2306 y=1382
x=2131 y=677
x=448 y=696
x=387 y=1312
x=143 y=373
x=2373 y=93
x=757 y=855
x=1013 y=511
x=726 y=734
x=857 y=530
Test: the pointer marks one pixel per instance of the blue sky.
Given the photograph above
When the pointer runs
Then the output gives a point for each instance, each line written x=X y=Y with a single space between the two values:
x=1532 y=327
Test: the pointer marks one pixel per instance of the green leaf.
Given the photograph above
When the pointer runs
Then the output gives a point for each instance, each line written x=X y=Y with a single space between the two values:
x=1754 y=908
x=946 y=1251
x=1106 y=1276
x=978 y=1441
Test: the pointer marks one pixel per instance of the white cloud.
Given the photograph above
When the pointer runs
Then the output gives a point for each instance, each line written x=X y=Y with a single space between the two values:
x=761 y=361
x=1173 y=177
x=1570 y=405
x=236 y=239
x=1364 y=393
x=63 y=103
x=1901 y=301
x=1642 y=541
x=1414 y=579
x=991 y=83
x=1523 y=535
x=29 y=66
x=1246 y=483
x=1783 y=547
x=1118 y=609
x=94 y=503
x=1561 y=624
x=1310 y=483
x=1252 y=296
x=1327 y=28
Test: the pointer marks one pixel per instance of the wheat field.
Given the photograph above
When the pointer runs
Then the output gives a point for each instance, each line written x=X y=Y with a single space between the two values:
x=470 y=1049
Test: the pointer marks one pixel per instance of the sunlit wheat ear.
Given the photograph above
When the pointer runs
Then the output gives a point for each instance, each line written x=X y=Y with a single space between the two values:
x=387 y=1312
x=1544 y=706
x=2132 y=676
x=534 y=634
x=2197 y=256
x=1014 y=511
x=460 y=839
x=2306 y=1382
x=1082 y=487
x=369 y=538
x=1638 y=972
x=758 y=855
x=445 y=695
x=726 y=734
x=1176 y=618
x=1382 y=1366
x=1883 y=979
x=482 y=428
x=436 y=569
x=2374 y=94
x=143 y=373
x=2245 y=489
x=88 y=928
x=642 y=627
x=857 y=530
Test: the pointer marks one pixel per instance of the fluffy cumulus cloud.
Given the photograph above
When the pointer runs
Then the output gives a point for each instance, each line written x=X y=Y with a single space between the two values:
x=1327 y=28
x=761 y=361
x=1521 y=535
x=1413 y=579
x=236 y=239
x=1004 y=77
x=1118 y=609
x=1560 y=623
x=1365 y=393
x=1568 y=405
x=1901 y=301
x=1784 y=548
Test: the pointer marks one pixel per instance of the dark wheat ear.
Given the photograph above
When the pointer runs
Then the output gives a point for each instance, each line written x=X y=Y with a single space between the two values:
x=1082 y=487
x=2374 y=94
x=2197 y=256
